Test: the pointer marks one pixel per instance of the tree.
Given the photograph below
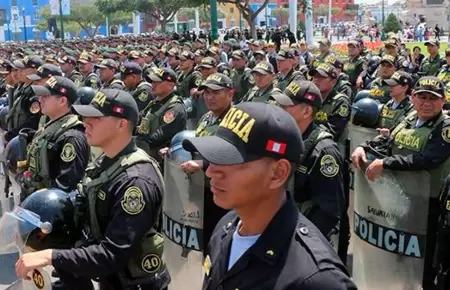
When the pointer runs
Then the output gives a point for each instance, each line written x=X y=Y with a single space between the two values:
x=322 y=10
x=204 y=13
x=87 y=16
x=280 y=12
x=120 y=18
x=69 y=26
x=391 y=24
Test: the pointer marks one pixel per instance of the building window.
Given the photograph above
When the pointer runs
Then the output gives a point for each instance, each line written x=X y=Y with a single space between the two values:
x=15 y=17
x=13 y=2
x=232 y=10
x=34 y=2
x=36 y=15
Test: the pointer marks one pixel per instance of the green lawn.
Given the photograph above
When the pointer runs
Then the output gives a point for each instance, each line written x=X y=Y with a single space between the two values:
x=411 y=45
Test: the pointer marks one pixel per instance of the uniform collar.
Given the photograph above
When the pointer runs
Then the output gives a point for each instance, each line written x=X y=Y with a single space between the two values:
x=130 y=148
x=166 y=99
x=56 y=120
x=267 y=248
x=427 y=123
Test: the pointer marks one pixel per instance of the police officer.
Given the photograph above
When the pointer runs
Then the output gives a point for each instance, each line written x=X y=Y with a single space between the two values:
x=324 y=47
x=378 y=89
x=391 y=48
x=354 y=66
x=335 y=111
x=131 y=75
x=265 y=81
x=124 y=193
x=68 y=65
x=189 y=78
x=43 y=73
x=86 y=67
x=420 y=142
x=165 y=115
x=444 y=71
x=431 y=65
x=241 y=75
x=108 y=69
x=318 y=188
x=58 y=153
x=343 y=84
x=250 y=160
x=395 y=110
x=286 y=63
x=25 y=110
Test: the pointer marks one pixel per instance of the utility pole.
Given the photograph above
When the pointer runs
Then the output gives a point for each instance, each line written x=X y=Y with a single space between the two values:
x=213 y=7
x=61 y=20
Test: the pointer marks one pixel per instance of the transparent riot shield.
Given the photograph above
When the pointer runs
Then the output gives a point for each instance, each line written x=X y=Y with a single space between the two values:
x=360 y=135
x=15 y=227
x=183 y=225
x=390 y=228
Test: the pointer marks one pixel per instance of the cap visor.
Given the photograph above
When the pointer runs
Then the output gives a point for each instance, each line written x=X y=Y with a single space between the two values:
x=431 y=92
x=41 y=91
x=34 y=77
x=430 y=43
x=390 y=82
x=205 y=66
x=154 y=78
x=390 y=62
x=100 y=66
x=282 y=99
x=83 y=61
x=319 y=72
x=87 y=111
x=279 y=57
x=390 y=45
x=261 y=71
x=4 y=72
x=214 y=149
x=210 y=86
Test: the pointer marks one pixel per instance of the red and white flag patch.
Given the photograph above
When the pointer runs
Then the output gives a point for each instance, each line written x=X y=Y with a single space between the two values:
x=276 y=147
x=118 y=110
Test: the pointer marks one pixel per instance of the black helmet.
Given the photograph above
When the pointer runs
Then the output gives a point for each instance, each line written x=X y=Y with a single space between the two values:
x=366 y=112
x=373 y=64
x=12 y=155
x=361 y=95
x=85 y=95
x=57 y=217
x=176 y=151
x=3 y=112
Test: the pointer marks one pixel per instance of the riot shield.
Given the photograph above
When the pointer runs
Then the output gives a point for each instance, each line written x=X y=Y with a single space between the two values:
x=360 y=135
x=15 y=227
x=183 y=225
x=390 y=226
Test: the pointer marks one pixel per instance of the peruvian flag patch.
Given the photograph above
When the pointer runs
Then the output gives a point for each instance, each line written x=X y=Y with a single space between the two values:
x=118 y=110
x=276 y=147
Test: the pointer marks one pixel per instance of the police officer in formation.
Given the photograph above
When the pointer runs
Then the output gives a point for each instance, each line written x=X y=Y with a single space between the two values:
x=58 y=153
x=86 y=67
x=141 y=90
x=321 y=165
x=124 y=192
x=68 y=66
x=164 y=116
x=250 y=160
x=107 y=70
x=241 y=75
x=264 y=75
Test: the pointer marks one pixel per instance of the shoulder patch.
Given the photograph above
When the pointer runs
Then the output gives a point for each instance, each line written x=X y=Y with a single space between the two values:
x=198 y=81
x=169 y=117
x=343 y=110
x=68 y=153
x=101 y=195
x=328 y=166
x=143 y=97
x=151 y=263
x=446 y=134
x=35 y=107
x=251 y=79
x=77 y=82
x=133 y=201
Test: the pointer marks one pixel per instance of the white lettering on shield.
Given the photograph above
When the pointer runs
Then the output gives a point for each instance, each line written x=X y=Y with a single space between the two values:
x=391 y=240
x=183 y=235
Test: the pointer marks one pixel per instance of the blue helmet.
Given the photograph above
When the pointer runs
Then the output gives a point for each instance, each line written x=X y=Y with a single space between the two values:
x=176 y=151
x=366 y=112
x=85 y=95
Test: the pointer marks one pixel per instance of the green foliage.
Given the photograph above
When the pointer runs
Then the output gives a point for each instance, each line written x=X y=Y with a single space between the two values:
x=322 y=10
x=69 y=26
x=391 y=24
x=204 y=13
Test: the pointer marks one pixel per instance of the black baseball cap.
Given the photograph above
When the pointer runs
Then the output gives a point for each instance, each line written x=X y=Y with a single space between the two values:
x=238 y=54
x=161 y=74
x=110 y=102
x=108 y=63
x=334 y=61
x=208 y=62
x=45 y=71
x=85 y=57
x=325 y=70
x=32 y=61
x=285 y=54
x=57 y=86
x=399 y=78
x=67 y=59
x=216 y=81
x=430 y=84
x=248 y=132
x=6 y=66
x=130 y=68
x=264 y=67
x=299 y=92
